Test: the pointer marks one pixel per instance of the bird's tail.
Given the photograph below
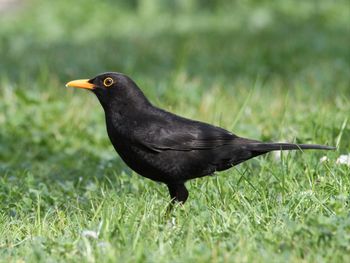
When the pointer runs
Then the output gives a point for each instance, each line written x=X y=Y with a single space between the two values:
x=247 y=149
x=267 y=147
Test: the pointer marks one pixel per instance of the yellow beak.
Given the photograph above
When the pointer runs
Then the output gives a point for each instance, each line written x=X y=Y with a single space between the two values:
x=80 y=83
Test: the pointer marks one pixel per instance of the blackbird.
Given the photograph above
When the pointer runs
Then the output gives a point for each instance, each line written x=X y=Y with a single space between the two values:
x=163 y=146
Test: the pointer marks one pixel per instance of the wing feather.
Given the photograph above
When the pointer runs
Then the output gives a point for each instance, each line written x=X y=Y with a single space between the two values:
x=197 y=138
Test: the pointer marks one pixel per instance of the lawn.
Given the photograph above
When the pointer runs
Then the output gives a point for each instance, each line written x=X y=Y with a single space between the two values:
x=269 y=70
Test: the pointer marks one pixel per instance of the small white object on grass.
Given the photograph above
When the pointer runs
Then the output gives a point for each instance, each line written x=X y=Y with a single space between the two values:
x=277 y=155
x=90 y=233
x=324 y=159
x=344 y=159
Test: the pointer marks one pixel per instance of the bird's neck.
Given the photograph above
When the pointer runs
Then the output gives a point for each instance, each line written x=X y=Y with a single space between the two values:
x=123 y=115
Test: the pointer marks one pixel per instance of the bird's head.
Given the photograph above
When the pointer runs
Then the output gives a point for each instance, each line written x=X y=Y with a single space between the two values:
x=112 y=88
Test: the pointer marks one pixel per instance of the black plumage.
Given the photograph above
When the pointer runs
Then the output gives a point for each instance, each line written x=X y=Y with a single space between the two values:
x=165 y=147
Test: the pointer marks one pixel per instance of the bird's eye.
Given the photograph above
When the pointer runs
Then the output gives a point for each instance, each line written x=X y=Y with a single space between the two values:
x=108 y=82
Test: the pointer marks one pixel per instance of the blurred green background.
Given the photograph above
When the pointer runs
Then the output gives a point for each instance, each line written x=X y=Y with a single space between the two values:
x=269 y=70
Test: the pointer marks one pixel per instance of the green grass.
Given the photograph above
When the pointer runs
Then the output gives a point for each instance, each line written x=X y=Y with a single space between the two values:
x=271 y=71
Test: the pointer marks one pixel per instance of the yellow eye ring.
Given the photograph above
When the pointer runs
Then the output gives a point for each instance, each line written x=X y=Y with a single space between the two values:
x=108 y=82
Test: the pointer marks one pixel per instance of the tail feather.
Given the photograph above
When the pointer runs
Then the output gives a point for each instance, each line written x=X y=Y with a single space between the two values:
x=251 y=148
x=267 y=147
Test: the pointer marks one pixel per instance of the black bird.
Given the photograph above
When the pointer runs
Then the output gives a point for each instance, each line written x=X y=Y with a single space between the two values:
x=165 y=147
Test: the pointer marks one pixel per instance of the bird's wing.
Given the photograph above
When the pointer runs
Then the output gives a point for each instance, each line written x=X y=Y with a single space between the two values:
x=192 y=136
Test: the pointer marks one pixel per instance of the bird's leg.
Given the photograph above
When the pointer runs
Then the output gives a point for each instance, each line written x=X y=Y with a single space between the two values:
x=178 y=192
